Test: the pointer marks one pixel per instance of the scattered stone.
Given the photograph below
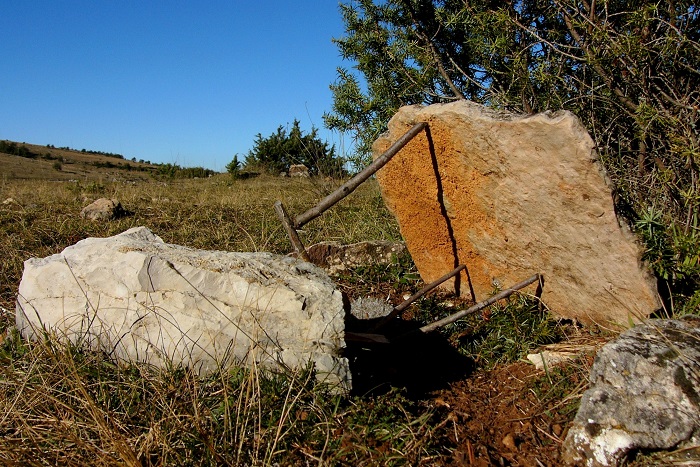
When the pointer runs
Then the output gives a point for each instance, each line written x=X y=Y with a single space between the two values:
x=644 y=394
x=335 y=257
x=9 y=201
x=140 y=299
x=103 y=210
x=298 y=170
x=509 y=442
x=549 y=356
x=366 y=308
x=510 y=196
x=547 y=359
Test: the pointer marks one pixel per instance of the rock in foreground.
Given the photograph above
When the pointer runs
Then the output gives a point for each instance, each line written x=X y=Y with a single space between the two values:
x=511 y=196
x=140 y=299
x=644 y=394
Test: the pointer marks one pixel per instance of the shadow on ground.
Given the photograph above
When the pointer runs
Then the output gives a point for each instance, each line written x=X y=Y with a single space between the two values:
x=421 y=363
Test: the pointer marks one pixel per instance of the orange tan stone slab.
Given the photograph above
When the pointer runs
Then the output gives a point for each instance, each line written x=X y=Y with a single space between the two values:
x=511 y=196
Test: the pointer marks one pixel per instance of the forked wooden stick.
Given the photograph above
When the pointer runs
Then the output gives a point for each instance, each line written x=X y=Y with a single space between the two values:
x=291 y=225
x=291 y=231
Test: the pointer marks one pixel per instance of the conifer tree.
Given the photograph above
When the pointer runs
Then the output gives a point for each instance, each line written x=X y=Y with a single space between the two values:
x=277 y=152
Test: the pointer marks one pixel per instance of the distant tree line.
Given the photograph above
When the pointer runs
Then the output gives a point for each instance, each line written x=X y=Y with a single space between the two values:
x=9 y=147
x=88 y=151
x=175 y=171
x=126 y=166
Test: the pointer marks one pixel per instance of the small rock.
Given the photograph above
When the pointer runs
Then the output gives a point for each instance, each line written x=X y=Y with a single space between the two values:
x=335 y=257
x=556 y=354
x=509 y=442
x=548 y=359
x=298 y=170
x=8 y=201
x=370 y=308
x=103 y=210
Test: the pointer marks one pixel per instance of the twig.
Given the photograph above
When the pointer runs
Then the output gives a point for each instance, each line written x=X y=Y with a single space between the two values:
x=350 y=186
x=399 y=308
x=291 y=231
x=473 y=309
x=470 y=453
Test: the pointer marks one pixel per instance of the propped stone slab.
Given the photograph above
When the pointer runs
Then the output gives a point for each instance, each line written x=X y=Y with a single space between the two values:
x=143 y=300
x=510 y=196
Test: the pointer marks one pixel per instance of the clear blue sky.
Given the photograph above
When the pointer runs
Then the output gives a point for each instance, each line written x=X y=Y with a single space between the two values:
x=182 y=82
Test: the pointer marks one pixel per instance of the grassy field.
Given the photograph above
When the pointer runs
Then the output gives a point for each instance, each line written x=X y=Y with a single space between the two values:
x=62 y=405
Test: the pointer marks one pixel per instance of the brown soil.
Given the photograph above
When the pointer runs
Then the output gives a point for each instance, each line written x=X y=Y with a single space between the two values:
x=496 y=418
x=511 y=415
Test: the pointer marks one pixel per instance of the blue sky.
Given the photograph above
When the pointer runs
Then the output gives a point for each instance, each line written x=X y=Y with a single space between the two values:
x=183 y=82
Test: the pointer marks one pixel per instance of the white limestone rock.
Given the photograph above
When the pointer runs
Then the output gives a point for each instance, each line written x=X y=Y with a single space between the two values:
x=143 y=300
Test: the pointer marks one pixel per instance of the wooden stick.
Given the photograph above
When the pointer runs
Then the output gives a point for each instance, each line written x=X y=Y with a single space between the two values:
x=350 y=186
x=538 y=293
x=291 y=231
x=473 y=309
x=402 y=306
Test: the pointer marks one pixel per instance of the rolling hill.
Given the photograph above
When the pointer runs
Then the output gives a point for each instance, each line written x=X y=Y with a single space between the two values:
x=34 y=162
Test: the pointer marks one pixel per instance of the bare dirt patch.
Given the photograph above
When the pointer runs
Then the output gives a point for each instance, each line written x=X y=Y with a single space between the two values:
x=511 y=415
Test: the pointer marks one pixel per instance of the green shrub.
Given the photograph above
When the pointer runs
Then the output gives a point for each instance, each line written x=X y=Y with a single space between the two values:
x=277 y=152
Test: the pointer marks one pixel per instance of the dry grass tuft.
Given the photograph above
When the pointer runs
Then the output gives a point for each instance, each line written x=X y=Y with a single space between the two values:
x=65 y=406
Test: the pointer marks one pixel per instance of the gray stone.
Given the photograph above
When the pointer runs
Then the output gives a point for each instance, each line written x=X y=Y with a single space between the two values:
x=366 y=308
x=140 y=299
x=510 y=196
x=103 y=209
x=644 y=394
x=298 y=170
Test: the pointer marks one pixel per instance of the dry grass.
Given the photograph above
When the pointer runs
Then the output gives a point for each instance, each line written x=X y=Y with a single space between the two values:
x=62 y=405
x=40 y=218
